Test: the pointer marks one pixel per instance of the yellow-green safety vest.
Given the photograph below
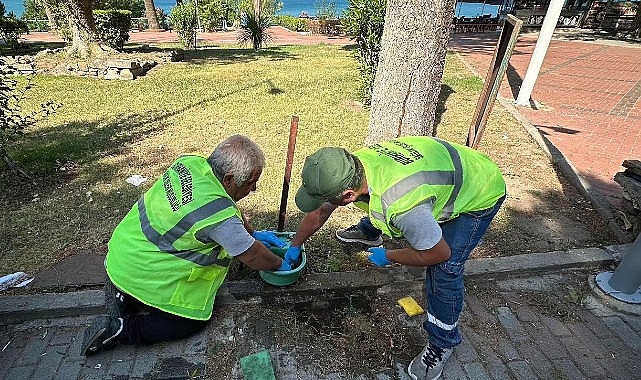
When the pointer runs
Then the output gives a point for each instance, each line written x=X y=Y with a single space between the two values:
x=161 y=252
x=403 y=173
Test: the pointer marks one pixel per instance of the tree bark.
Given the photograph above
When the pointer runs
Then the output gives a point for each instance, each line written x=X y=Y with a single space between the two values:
x=150 y=13
x=83 y=29
x=410 y=69
x=635 y=28
x=51 y=18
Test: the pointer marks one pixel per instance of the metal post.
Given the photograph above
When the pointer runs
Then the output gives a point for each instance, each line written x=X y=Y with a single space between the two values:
x=542 y=43
x=625 y=283
x=291 y=146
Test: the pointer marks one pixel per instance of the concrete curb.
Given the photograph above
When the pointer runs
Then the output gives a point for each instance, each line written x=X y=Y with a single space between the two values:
x=18 y=309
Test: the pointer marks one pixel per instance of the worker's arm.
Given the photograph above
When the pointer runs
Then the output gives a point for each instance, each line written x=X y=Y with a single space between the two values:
x=258 y=257
x=312 y=222
x=233 y=236
x=420 y=258
x=424 y=234
x=266 y=237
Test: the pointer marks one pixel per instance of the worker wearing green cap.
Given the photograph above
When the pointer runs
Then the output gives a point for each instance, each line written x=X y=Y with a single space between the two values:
x=438 y=195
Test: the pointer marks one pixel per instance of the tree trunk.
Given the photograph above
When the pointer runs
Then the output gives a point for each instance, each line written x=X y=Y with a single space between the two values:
x=635 y=28
x=83 y=30
x=150 y=13
x=51 y=18
x=410 y=69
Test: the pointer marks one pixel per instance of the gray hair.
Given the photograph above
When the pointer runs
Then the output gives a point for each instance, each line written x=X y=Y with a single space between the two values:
x=238 y=155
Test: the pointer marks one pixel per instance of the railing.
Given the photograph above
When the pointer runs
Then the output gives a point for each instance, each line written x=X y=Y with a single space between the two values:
x=475 y=25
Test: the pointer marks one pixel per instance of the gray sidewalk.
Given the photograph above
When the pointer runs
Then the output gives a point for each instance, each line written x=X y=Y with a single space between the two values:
x=523 y=318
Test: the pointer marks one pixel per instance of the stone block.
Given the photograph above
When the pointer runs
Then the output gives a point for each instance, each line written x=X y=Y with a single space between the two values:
x=122 y=64
x=111 y=74
x=126 y=74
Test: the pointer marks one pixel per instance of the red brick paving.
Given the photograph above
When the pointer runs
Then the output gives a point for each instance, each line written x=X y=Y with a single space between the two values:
x=589 y=93
x=590 y=96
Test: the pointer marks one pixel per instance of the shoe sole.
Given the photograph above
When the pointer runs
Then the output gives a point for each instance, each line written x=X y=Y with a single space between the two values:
x=94 y=337
x=371 y=243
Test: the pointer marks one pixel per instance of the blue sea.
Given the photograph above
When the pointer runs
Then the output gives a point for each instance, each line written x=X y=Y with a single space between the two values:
x=296 y=7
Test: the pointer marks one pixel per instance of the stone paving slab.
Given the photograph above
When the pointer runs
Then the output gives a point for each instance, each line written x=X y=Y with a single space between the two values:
x=512 y=324
x=508 y=334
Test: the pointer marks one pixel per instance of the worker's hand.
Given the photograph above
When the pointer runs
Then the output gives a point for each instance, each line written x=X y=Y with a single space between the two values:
x=268 y=238
x=292 y=255
x=377 y=256
x=284 y=266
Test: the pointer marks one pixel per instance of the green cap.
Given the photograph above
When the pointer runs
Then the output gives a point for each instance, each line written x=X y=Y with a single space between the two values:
x=326 y=174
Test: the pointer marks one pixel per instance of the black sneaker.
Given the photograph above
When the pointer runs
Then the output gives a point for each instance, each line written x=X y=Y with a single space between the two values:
x=101 y=334
x=428 y=365
x=353 y=234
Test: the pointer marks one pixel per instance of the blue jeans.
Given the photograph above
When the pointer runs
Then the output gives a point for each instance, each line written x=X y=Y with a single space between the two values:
x=444 y=282
x=368 y=229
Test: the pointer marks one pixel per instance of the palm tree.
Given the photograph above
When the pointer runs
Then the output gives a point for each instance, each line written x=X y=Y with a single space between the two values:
x=152 y=17
x=254 y=24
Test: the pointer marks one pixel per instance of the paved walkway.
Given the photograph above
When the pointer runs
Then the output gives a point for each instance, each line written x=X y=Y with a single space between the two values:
x=587 y=101
x=516 y=324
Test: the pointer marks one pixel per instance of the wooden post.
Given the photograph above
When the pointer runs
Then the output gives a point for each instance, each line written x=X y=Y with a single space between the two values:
x=291 y=146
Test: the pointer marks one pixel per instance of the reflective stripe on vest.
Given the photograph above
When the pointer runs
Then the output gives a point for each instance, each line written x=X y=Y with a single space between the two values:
x=433 y=177
x=165 y=241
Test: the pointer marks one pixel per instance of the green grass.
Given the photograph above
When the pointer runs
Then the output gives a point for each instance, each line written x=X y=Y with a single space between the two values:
x=106 y=131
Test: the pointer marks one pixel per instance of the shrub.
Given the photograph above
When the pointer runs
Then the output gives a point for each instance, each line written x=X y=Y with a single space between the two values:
x=295 y=24
x=325 y=10
x=210 y=13
x=137 y=7
x=112 y=26
x=253 y=26
x=13 y=121
x=183 y=20
x=11 y=28
x=364 y=21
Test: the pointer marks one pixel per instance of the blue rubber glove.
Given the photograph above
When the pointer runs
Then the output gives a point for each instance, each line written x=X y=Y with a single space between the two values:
x=268 y=238
x=284 y=266
x=293 y=255
x=377 y=256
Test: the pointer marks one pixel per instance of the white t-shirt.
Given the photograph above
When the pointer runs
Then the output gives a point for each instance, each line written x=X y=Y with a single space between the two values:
x=419 y=226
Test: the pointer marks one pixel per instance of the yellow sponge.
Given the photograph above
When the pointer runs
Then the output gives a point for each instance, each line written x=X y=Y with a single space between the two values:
x=410 y=306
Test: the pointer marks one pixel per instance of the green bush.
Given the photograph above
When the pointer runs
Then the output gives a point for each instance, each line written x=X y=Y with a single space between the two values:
x=13 y=121
x=112 y=26
x=254 y=23
x=325 y=10
x=11 y=28
x=137 y=7
x=183 y=21
x=364 y=21
x=295 y=24
x=210 y=13
x=33 y=11
x=253 y=28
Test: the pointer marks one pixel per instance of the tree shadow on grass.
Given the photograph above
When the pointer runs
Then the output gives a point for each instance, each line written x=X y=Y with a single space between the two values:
x=232 y=56
x=76 y=144
x=30 y=48
x=445 y=93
